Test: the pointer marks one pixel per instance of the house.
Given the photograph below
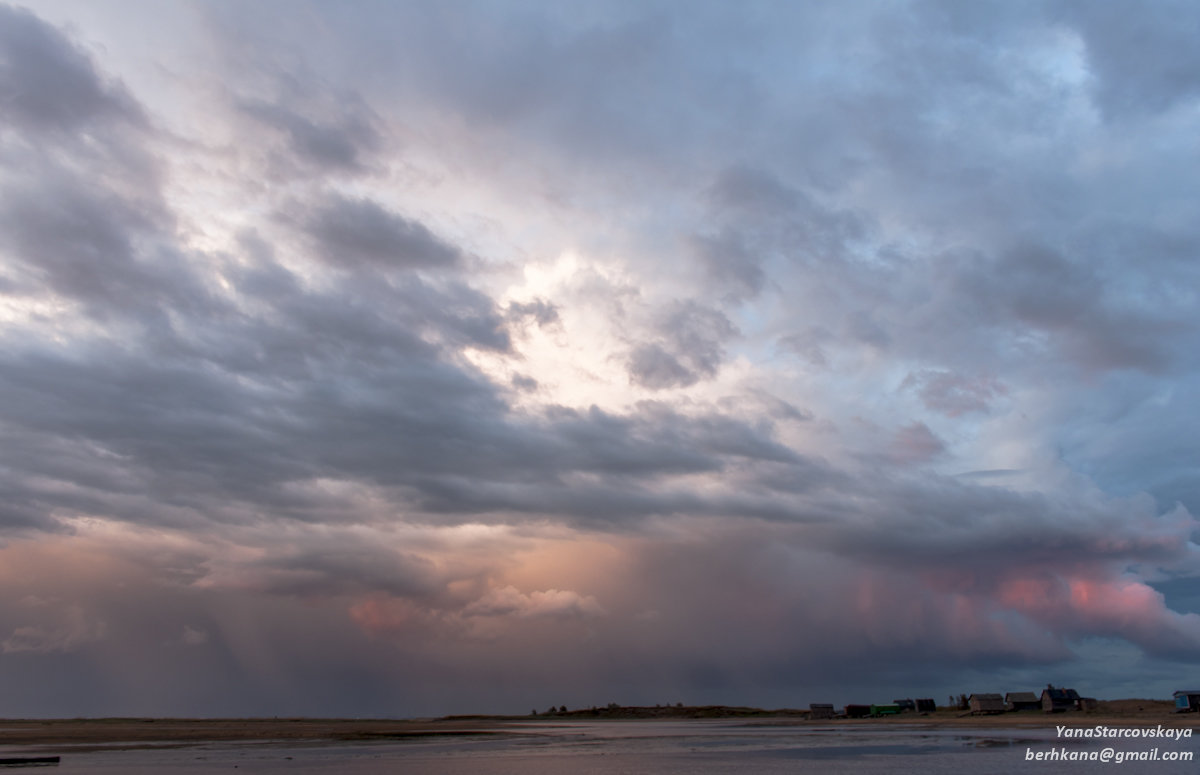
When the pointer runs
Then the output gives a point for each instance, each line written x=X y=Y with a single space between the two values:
x=1187 y=700
x=1058 y=700
x=1022 y=701
x=819 y=710
x=985 y=703
x=858 y=711
x=926 y=706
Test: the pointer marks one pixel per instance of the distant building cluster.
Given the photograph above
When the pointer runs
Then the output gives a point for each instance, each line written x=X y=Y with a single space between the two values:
x=1052 y=700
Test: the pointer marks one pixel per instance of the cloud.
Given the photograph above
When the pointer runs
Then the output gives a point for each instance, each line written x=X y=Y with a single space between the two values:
x=341 y=140
x=915 y=443
x=49 y=84
x=1141 y=65
x=541 y=311
x=193 y=637
x=72 y=630
x=653 y=367
x=509 y=601
x=359 y=232
x=343 y=378
x=954 y=395
x=691 y=347
x=729 y=261
x=1072 y=305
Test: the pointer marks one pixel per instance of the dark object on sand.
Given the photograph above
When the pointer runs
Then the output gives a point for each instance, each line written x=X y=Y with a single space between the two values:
x=29 y=761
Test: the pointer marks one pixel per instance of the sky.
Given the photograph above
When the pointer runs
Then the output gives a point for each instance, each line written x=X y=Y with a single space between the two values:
x=415 y=358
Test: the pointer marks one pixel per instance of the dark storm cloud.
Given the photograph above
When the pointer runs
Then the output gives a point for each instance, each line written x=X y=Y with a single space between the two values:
x=81 y=208
x=731 y=262
x=767 y=223
x=653 y=367
x=355 y=382
x=336 y=143
x=1072 y=302
x=942 y=523
x=752 y=191
x=106 y=251
x=691 y=347
x=336 y=567
x=354 y=233
x=48 y=84
x=360 y=380
x=1144 y=62
x=272 y=430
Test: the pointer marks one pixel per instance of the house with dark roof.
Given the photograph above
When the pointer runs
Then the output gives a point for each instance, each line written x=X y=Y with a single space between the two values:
x=1057 y=700
x=1187 y=700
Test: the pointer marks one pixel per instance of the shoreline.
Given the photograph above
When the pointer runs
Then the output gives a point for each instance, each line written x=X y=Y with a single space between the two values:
x=60 y=735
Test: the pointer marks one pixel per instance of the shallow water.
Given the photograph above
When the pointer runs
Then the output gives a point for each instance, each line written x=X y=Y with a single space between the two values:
x=630 y=748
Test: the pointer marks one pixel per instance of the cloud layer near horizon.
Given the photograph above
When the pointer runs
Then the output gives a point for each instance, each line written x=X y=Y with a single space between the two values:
x=485 y=360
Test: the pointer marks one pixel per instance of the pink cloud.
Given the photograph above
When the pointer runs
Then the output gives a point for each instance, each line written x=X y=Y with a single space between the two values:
x=1124 y=607
x=383 y=615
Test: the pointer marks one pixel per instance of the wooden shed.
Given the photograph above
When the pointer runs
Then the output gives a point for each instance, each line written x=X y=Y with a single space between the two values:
x=819 y=710
x=1057 y=700
x=1187 y=700
x=926 y=705
x=1022 y=701
x=986 y=703
x=858 y=711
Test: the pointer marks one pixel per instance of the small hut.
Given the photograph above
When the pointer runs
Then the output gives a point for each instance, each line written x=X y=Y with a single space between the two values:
x=819 y=710
x=1187 y=700
x=926 y=706
x=985 y=703
x=858 y=711
x=1022 y=701
x=1057 y=700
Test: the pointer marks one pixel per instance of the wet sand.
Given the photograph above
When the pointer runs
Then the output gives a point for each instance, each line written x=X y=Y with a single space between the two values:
x=129 y=733
x=132 y=733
